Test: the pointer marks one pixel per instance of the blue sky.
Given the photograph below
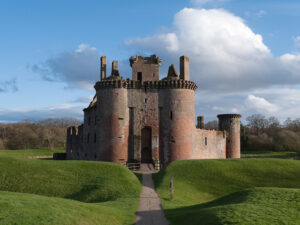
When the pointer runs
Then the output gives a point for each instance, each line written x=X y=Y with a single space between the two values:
x=49 y=52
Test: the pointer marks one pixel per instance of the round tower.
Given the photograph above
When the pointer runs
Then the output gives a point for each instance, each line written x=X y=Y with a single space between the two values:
x=231 y=124
x=112 y=117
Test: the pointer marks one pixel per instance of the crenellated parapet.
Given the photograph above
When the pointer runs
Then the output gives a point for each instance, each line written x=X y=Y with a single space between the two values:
x=133 y=84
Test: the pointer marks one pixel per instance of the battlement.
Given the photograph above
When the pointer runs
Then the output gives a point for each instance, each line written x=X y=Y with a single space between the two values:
x=229 y=116
x=157 y=84
x=153 y=59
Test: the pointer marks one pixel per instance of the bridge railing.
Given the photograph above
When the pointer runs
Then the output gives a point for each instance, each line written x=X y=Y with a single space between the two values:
x=133 y=166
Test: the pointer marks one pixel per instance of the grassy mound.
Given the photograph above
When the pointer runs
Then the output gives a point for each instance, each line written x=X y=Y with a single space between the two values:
x=28 y=209
x=112 y=185
x=85 y=181
x=201 y=181
x=248 y=207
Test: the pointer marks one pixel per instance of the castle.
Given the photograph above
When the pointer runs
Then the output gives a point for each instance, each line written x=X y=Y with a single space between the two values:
x=149 y=120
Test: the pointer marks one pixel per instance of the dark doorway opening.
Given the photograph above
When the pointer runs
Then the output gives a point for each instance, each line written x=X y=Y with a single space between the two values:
x=146 y=150
x=139 y=76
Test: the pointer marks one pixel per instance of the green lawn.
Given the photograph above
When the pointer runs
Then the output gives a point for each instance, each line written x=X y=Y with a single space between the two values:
x=103 y=185
x=198 y=182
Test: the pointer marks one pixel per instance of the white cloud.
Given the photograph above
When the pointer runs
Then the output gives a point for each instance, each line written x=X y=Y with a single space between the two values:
x=260 y=104
x=57 y=111
x=77 y=68
x=225 y=54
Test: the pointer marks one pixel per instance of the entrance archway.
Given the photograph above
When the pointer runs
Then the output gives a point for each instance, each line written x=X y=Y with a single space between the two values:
x=146 y=151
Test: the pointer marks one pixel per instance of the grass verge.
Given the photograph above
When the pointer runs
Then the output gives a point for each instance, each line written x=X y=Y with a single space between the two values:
x=201 y=181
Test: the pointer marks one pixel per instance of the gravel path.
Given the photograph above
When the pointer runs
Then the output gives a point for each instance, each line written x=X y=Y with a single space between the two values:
x=150 y=211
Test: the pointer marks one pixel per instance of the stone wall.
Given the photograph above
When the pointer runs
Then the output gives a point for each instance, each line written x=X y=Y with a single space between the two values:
x=123 y=110
x=209 y=144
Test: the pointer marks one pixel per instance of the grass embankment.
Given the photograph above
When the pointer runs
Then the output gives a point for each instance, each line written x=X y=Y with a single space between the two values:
x=112 y=188
x=200 y=187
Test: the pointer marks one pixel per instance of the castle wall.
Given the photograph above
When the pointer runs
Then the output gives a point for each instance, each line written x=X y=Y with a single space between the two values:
x=130 y=117
x=209 y=144
x=74 y=146
x=113 y=127
x=90 y=140
x=144 y=110
x=177 y=114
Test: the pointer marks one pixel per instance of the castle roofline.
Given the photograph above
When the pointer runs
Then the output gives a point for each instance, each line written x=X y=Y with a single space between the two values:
x=157 y=84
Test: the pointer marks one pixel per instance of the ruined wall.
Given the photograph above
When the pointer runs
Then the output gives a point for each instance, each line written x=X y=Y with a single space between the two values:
x=148 y=67
x=90 y=143
x=143 y=104
x=74 y=147
x=231 y=123
x=209 y=144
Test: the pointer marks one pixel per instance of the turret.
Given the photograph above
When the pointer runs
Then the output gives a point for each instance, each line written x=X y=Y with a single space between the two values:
x=231 y=124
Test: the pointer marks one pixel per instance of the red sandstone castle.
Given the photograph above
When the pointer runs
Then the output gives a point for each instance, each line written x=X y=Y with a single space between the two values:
x=149 y=120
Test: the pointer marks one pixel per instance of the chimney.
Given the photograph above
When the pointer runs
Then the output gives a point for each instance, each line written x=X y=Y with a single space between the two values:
x=200 y=122
x=103 y=67
x=184 y=68
x=114 y=68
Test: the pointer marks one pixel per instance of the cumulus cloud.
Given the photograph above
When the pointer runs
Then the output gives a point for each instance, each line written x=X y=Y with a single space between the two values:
x=225 y=54
x=261 y=104
x=77 y=68
x=19 y=114
x=9 y=85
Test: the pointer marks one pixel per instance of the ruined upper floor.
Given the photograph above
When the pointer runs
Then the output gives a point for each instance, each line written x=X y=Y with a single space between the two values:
x=146 y=69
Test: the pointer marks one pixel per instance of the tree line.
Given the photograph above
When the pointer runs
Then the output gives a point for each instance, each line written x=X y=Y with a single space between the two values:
x=50 y=133
x=260 y=133
x=268 y=134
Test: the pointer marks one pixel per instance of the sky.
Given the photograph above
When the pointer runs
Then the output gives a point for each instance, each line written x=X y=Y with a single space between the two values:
x=244 y=55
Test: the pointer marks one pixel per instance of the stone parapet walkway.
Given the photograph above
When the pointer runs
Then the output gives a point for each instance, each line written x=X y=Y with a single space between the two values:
x=150 y=211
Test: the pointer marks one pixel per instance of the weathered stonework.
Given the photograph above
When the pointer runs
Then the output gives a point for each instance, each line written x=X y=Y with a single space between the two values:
x=149 y=120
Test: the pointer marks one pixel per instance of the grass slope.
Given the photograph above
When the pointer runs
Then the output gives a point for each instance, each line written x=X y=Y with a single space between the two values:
x=28 y=209
x=107 y=184
x=201 y=181
x=248 y=207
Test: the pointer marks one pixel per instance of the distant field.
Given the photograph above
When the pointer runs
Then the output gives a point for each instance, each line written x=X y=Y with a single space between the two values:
x=270 y=154
x=110 y=189
x=198 y=182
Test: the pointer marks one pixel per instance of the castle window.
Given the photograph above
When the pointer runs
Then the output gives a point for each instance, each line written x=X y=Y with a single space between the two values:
x=89 y=121
x=139 y=76
x=146 y=100
x=95 y=120
x=95 y=138
x=205 y=140
x=95 y=156
x=153 y=74
x=88 y=138
x=85 y=155
x=171 y=115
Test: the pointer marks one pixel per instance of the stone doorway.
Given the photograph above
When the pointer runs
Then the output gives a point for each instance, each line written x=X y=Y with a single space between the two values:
x=146 y=150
